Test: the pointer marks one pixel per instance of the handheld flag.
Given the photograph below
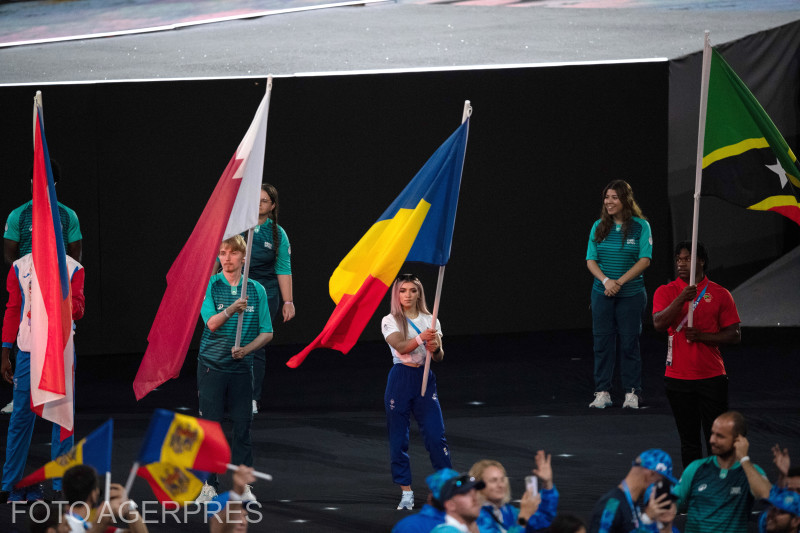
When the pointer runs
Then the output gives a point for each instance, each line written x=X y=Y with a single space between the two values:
x=172 y=484
x=94 y=450
x=52 y=351
x=232 y=209
x=418 y=226
x=186 y=442
x=746 y=160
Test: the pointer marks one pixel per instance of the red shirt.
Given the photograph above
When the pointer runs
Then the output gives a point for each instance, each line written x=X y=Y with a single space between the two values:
x=716 y=311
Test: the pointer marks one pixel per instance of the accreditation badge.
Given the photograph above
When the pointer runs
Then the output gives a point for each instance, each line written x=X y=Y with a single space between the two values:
x=669 y=350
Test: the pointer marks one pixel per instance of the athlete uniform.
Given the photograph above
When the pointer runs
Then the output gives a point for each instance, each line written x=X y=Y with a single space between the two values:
x=620 y=315
x=267 y=262
x=17 y=326
x=616 y=512
x=19 y=223
x=402 y=398
x=695 y=379
x=715 y=499
x=223 y=381
x=505 y=519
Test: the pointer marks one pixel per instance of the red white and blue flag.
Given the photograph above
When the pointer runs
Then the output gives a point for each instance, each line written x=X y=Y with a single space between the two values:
x=52 y=351
x=232 y=209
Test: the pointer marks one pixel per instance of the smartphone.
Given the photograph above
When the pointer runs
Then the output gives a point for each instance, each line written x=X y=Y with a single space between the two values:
x=664 y=487
x=532 y=484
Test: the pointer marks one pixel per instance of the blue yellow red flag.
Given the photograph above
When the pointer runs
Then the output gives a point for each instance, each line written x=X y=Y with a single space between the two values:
x=173 y=484
x=186 y=442
x=93 y=450
x=417 y=226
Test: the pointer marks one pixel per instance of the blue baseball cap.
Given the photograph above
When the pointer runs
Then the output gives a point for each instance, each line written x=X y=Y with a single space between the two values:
x=785 y=500
x=446 y=483
x=658 y=461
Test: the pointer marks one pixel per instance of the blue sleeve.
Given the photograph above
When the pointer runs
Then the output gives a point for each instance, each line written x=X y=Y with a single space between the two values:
x=487 y=524
x=546 y=512
x=645 y=240
x=591 y=249
x=608 y=516
x=283 y=255
x=208 y=309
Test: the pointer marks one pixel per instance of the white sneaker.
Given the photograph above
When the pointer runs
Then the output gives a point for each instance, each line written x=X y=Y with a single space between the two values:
x=255 y=407
x=631 y=400
x=207 y=494
x=407 y=501
x=8 y=408
x=602 y=400
x=248 y=495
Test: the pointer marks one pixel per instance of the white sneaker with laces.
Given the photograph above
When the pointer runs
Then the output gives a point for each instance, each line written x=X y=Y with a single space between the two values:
x=8 y=408
x=207 y=494
x=255 y=407
x=407 y=501
x=602 y=400
x=248 y=495
x=631 y=400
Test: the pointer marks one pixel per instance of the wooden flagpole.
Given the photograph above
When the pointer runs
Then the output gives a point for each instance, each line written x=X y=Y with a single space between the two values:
x=698 y=173
x=465 y=115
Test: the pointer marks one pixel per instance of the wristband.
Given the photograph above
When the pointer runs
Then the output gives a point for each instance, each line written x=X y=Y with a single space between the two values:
x=419 y=340
x=289 y=302
x=226 y=312
x=646 y=520
x=604 y=281
x=744 y=459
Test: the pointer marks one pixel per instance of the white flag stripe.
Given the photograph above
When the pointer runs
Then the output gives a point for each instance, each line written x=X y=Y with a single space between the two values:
x=244 y=214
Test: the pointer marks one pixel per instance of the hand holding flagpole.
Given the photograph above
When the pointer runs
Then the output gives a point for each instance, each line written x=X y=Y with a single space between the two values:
x=439 y=281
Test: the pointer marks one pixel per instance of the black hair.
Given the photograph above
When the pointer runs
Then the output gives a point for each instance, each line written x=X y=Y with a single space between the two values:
x=42 y=517
x=566 y=523
x=54 y=166
x=702 y=253
x=78 y=483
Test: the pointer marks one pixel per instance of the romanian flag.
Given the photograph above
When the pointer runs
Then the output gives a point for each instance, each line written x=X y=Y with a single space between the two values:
x=94 y=450
x=172 y=484
x=186 y=442
x=746 y=160
x=231 y=210
x=418 y=226
x=52 y=351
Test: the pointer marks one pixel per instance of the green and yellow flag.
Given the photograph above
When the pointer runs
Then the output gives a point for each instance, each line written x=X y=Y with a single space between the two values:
x=746 y=160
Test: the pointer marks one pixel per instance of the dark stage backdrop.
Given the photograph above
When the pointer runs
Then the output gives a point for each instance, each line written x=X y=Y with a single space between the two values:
x=140 y=160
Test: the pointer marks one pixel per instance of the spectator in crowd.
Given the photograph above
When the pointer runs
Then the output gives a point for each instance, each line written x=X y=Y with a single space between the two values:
x=788 y=477
x=619 y=510
x=783 y=515
x=456 y=494
x=718 y=492
x=232 y=516
x=567 y=523
x=428 y=517
x=535 y=512
x=82 y=493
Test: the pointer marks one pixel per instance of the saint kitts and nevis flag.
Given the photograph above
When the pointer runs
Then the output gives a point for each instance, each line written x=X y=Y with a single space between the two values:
x=746 y=160
x=418 y=226
x=177 y=454
x=93 y=450
x=52 y=351
x=230 y=211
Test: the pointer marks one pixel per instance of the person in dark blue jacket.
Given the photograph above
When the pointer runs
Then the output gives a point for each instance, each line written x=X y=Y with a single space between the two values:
x=429 y=516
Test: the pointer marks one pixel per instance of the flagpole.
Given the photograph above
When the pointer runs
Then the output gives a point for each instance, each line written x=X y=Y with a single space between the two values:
x=698 y=172
x=256 y=473
x=428 y=354
x=245 y=275
x=131 y=478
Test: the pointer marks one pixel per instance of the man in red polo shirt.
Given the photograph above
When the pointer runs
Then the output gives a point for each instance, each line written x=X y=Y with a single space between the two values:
x=695 y=378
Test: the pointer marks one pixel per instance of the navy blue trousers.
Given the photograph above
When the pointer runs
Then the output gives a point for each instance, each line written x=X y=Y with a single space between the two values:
x=401 y=400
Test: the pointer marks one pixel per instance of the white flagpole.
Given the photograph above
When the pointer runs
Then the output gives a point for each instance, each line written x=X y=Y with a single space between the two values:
x=131 y=478
x=698 y=173
x=245 y=276
x=246 y=273
x=467 y=112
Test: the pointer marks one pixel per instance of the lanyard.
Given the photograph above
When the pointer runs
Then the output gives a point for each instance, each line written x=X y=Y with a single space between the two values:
x=694 y=306
x=414 y=326
x=634 y=508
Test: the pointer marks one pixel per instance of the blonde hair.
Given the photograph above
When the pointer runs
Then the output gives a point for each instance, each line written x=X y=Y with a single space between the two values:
x=397 y=307
x=235 y=243
x=480 y=467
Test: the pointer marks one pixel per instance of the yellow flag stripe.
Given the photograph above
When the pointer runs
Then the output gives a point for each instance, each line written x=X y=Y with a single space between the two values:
x=775 y=201
x=734 y=149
